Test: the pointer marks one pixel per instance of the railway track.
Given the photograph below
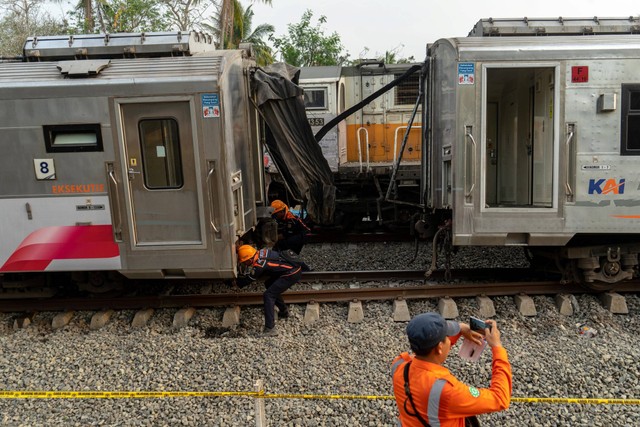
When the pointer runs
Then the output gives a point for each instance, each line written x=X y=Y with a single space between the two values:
x=432 y=289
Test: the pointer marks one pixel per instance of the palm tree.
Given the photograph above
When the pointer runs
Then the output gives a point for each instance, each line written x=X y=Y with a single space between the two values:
x=242 y=34
x=227 y=18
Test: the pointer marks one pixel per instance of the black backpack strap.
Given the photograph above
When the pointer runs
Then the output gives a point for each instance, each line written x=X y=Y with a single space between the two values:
x=407 y=391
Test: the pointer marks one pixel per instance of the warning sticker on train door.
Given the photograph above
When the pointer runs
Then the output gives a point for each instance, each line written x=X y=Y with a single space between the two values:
x=466 y=73
x=210 y=105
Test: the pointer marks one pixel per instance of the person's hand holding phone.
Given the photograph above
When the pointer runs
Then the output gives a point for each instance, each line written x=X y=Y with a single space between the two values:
x=488 y=329
x=468 y=333
x=492 y=334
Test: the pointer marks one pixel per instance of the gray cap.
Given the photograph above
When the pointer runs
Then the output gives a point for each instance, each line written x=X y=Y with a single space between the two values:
x=426 y=330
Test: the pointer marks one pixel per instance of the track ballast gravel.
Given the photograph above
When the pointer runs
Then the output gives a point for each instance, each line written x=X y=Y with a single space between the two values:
x=332 y=356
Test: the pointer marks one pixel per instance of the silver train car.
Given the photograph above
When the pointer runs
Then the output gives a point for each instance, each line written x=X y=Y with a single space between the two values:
x=534 y=140
x=363 y=149
x=141 y=158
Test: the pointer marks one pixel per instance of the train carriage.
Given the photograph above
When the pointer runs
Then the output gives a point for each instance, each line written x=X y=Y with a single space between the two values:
x=130 y=152
x=534 y=140
x=364 y=149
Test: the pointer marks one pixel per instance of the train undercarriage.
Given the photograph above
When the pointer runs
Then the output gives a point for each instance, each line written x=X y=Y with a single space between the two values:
x=597 y=262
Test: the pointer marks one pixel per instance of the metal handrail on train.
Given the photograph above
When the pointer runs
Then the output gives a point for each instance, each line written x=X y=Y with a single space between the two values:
x=468 y=130
x=366 y=134
x=115 y=200
x=212 y=169
x=395 y=140
x=567 y=185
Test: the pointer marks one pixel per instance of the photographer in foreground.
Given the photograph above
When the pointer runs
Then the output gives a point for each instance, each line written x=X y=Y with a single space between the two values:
x=428 y=394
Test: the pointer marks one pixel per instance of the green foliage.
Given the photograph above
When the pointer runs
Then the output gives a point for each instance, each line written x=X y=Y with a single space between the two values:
x=22 y=19
x=120 y=16
x=242 y=33
x=262 y=51
x=307 y=45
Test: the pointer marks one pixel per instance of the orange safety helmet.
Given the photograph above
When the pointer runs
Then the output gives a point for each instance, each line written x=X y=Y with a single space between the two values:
x=279 y=205
x=246 y=253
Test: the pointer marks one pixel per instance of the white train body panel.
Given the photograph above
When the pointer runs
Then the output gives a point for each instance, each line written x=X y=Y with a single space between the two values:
x=529 y=145
x=149 y=166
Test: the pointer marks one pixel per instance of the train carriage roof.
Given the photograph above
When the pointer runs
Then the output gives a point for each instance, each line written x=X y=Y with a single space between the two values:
x=205 y=65
x=501 y=27
x=330 y=73
x=532 y=48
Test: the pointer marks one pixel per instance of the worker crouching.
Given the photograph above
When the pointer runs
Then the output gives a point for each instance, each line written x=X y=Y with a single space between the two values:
x=281 y=275
x=292 y=232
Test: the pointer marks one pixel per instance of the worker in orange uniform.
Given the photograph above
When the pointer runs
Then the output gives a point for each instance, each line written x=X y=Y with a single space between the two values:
x=291 y=230
x=428 y=394
x=281 y=276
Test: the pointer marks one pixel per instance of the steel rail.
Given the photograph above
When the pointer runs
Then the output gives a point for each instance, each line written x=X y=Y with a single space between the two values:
x=305 y=296
x=457 y=274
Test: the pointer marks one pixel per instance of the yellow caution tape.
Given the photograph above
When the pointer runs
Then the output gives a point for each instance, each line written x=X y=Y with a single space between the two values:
x=15 y=394
x=118 y=394
x=567 y=400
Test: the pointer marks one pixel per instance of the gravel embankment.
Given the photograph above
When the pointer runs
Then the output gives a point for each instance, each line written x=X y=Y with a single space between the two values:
x=331 y=356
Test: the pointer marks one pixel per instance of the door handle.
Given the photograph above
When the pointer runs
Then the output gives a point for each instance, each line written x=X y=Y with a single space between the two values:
x=114 y=197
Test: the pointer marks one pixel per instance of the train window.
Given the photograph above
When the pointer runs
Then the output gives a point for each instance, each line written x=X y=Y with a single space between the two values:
x=630 y=135
x=160 y=147
x=315 y=98
x=406 y=93
x=72 y=138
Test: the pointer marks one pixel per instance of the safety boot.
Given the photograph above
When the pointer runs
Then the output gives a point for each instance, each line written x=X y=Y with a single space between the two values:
x=269 y=332
x=283 y=314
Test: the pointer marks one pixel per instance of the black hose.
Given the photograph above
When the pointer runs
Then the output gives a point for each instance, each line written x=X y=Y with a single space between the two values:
x=326 y=128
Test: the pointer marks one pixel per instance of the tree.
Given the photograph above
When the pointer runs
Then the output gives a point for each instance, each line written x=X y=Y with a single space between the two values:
x=227 y=19
x=187 y=15
x=113 y=16
x=24 y=18
x=306 y=46
x=242 y=33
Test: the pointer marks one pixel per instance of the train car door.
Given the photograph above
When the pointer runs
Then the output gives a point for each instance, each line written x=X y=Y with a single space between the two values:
x=519 y=137
x=161 y=168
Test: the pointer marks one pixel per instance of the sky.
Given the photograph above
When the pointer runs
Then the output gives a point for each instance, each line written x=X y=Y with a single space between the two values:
x=406 y=26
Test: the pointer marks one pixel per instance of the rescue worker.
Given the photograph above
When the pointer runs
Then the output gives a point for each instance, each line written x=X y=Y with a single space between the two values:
x=427 y=394
x=291 y=230
x=281 y=276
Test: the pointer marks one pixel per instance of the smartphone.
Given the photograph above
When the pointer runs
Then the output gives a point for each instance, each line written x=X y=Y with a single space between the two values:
x=478 y=325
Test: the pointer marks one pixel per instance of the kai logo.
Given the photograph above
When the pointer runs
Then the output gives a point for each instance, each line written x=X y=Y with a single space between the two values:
x=606 y=186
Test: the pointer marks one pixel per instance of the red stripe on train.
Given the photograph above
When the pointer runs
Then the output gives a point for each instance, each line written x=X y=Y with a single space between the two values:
x=42 y=246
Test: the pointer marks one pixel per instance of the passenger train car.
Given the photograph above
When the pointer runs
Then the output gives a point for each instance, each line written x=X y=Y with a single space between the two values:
x=363 y=149
x=533 y=140
x=135 y=153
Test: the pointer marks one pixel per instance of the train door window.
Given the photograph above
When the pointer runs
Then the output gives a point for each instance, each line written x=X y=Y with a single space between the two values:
x=630 y=134
x=315 y=98
x=519 y=140
x=72 y=138
x=406 y=93
x=160 y=148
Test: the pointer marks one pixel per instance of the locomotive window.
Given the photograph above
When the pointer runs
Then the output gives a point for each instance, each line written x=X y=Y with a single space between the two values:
x=315 y=99
x=630 y=129
x=160 y=147
x=72 y=138
x=407 y=91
